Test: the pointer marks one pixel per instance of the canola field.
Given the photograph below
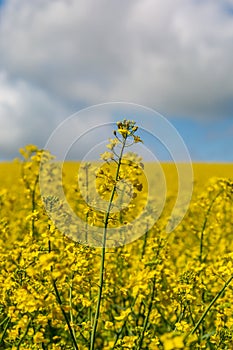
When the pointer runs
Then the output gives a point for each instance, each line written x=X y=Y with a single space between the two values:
x=160 y=291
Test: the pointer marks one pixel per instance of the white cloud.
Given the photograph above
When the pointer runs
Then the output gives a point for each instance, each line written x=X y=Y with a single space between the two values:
x=57 y=55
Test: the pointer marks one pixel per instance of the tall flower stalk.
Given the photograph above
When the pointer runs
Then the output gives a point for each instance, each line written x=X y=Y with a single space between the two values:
x=124 y=137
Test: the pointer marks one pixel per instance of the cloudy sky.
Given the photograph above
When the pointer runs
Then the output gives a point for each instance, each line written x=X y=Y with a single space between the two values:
x=174 y=56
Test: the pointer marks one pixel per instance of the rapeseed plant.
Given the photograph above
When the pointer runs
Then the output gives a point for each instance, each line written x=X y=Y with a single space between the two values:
x=124 y=136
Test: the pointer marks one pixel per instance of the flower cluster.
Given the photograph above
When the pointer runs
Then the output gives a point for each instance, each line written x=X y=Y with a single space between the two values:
x=159 y=292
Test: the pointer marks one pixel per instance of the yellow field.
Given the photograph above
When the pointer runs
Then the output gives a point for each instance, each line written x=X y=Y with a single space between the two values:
x=10 y=172
x=163 y=291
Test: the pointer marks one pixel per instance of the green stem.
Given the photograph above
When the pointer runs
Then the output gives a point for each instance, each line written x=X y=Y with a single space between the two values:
x=147 y=316
x=71 y=304
x=33 y=202
x=210 y=305
x=64 y=314
x=7 y=320
x=24 y=335
x=205 y=223
x=144 y=242
x=101 y=272
x=60 y=304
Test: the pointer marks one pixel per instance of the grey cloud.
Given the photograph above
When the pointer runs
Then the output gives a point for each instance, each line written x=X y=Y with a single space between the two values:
x=173 y=56
x=64 y=47
x=27 y=115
